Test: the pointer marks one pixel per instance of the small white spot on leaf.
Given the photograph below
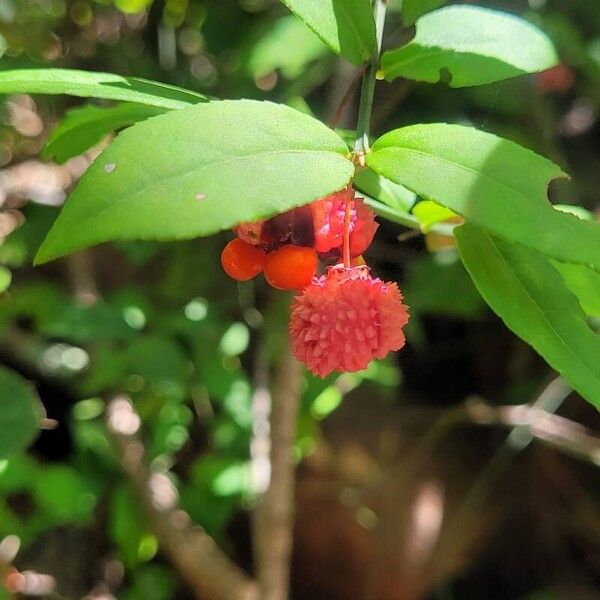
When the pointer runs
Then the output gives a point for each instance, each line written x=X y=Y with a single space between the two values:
x=110 y=167
x=200 y=196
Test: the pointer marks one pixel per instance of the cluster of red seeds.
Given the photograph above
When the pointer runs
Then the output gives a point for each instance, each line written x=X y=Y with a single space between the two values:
x=340 y=320
x=290 y=267
x=288 y=246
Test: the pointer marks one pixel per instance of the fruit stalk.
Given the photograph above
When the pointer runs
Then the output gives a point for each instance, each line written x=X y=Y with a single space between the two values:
x=346 y=242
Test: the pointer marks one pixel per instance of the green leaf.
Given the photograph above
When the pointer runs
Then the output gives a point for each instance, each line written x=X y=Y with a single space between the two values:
x=64 y=494
x=413 y=9
x=85 y=127
x=584 y=283
x=20 y=413
x=151 y=582
x=196 y=171
x=494 y=183
x=429 y=213
x=127 y=527
x=474 y=45
x=527 y=292
x=346 y=26
x=5 y=278
x=86 y=84
x=289 y=45
x=131 y=7
x=395 y=215
x=394 y=195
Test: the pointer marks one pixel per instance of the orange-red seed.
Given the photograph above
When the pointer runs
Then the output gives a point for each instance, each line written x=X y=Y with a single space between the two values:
x=290 y=267
x=242 y=261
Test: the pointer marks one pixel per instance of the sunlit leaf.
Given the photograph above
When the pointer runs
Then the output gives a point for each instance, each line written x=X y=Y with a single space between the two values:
x=493 y=183
x=474 y=45
x=195 y=171
x=84 y=127
x=87 y=84
x=429 y=213
x=346 y=26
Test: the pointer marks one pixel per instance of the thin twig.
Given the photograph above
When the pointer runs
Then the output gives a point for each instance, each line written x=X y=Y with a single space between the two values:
x=274 y=517
x=195 y=555
x=82 y=279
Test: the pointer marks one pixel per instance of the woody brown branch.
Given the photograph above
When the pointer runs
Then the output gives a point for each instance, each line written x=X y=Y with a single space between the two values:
x=204 y=567
x=274 y=519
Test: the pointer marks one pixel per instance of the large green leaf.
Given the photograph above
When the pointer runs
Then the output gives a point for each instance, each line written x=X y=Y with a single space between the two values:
x=346 y=26
x=199 y=170
x=20 y=413
x=413 y=9
x=84 y=127
x=528 y=293
x=492 y=182
x=474 y=45
x=96 y=85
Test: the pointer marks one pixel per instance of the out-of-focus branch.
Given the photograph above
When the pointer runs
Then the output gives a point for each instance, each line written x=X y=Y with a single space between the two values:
x=260 y=444
x=82 y=279
x=528 y=422
x=274 y=519
x=533 y=423
x=534 y=419
x=196 y=556
x=342 y=106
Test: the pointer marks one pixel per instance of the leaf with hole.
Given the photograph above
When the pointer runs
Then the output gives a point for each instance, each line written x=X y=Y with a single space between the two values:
x=86 y=84
x=346 y=26
x=473 y=45
x=529 y=295
x=492 y=182
x=199 y=170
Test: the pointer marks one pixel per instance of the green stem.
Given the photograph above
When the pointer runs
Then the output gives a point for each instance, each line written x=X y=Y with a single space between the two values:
x=361 y=145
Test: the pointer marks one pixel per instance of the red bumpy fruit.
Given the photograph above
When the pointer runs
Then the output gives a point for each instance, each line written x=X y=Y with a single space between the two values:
x=346 y=318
